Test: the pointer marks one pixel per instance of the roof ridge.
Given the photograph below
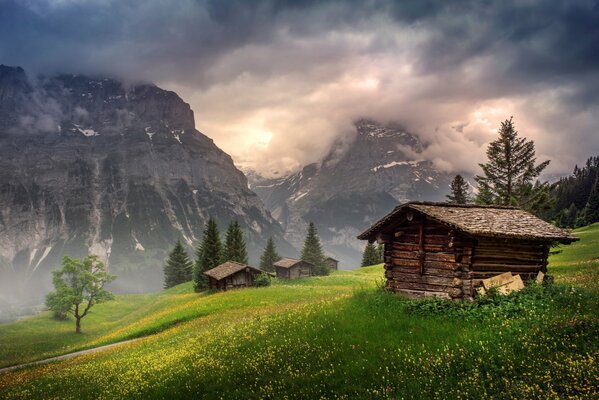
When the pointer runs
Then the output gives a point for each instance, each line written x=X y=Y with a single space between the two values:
x=469 y=205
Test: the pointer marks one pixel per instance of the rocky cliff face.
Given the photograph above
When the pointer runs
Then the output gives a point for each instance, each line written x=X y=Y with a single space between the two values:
x=92 y=165
x=352 y=187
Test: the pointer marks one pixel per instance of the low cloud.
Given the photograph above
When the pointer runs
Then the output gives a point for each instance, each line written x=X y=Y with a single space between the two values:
x=276 y=83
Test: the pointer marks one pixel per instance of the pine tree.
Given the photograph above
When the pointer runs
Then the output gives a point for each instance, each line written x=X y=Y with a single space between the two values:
x=235 y=244
x=178 y=267
x=370 y=255
x=312 y=251
x=269 y=257
x=208 y=255
x=459 y=191
x=591 y=210
x=509 y=174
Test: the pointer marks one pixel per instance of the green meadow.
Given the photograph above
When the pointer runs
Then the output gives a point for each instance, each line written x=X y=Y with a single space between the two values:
x=337 y=337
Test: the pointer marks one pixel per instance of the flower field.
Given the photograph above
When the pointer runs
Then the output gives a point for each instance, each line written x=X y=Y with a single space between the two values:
x=336 y=337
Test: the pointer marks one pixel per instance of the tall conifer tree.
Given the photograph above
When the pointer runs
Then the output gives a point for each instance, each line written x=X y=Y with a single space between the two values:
x=269 y=257
x=178 y=267
x=459 y=191
x=235 y=249
x=312 y=251
x=508 y=176
x=370 y=256
x=208 y=255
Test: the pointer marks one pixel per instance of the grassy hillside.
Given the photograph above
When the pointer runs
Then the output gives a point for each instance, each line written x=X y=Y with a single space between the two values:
x=329 y=337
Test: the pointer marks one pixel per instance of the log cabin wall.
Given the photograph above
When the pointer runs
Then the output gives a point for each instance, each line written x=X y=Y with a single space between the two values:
x=495 y=256
x=438 y=266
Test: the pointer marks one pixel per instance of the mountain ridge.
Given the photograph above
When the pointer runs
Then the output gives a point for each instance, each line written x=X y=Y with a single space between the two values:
x=90 y=165
x=353 y=185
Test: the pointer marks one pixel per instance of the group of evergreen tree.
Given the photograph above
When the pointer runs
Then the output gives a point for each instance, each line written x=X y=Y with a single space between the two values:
x=510 y=177
x=576 y=197
x=372 y=254
x=209 y=254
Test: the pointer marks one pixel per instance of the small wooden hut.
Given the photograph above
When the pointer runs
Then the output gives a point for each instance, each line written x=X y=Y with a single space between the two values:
x=288 y=268
x=331 y=263
x=231 y=275
x=446 y=250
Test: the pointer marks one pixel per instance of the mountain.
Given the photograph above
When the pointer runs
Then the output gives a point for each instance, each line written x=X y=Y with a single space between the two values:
x=94 y=165
x=353 y=186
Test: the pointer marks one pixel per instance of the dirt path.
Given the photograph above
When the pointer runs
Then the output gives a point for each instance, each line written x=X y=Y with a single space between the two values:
x=66 y=356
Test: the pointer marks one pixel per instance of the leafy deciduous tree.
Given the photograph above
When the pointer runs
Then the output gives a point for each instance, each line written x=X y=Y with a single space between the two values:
x=79 y=285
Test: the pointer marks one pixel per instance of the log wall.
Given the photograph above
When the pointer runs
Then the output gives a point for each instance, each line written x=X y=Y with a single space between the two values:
x=496 y=256
x=436 y=267
x=451 y=265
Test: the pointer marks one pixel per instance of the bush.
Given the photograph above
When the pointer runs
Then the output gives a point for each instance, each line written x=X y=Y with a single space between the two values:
x=262 y=280
x=320 y=270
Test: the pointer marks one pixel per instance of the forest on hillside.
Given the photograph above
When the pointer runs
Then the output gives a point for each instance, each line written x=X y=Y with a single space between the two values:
x=575 y=198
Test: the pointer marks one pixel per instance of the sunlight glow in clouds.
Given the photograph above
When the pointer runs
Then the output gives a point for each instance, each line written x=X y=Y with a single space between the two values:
x=275 y=83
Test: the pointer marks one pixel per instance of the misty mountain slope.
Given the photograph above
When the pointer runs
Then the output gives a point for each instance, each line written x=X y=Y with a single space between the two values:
x=352 y=187
x=89 y=165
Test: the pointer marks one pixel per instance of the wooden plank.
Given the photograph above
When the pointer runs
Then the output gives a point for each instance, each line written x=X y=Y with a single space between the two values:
x=446 y=272
x=424 y=279
x=506 y=261
x=402 y=246
x=504 y=267
x=429 y=256
x=422 y=293
x=427 y=264
x=419 y=286
x=498 y=280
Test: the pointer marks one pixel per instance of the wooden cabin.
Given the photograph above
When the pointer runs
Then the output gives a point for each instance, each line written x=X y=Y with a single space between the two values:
x=331 y=263
x=288 y=268
x=446 y=250
x=231 y=275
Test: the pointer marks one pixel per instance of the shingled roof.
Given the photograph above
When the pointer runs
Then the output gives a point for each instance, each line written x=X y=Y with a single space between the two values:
x=288 y=262
x=226 y=269
x=475 y=220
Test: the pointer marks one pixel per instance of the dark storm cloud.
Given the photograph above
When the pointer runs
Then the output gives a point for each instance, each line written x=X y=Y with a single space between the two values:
x=287 y=77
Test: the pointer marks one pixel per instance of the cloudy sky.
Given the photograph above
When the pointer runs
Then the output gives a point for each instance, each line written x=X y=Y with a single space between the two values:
x=274 y=83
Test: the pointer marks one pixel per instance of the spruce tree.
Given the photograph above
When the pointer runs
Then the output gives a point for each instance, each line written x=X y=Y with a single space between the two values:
x=509 y=175
x=459 y=191
x=208 y=255
x=269 y=257
x=591 y=210
x=312 y=251
x=235 y=244
x=178 y=267
x=370 y=256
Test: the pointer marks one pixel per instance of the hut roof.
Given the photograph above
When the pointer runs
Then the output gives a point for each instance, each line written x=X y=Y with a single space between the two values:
x=331 y=258
x=226 y=269
x=476 y=220
x=288 y=262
